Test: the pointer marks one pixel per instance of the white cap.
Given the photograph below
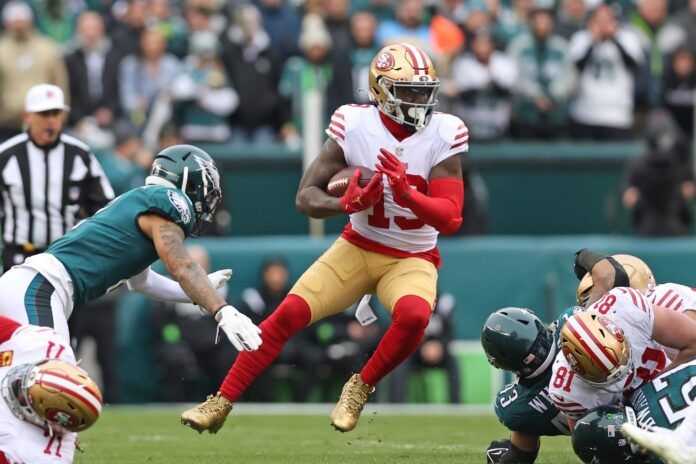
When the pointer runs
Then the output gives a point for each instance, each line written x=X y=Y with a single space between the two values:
x=44 y=97
x=16 y=11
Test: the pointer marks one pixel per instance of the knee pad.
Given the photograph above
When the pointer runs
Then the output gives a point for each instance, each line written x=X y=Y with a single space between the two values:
x=412 y=312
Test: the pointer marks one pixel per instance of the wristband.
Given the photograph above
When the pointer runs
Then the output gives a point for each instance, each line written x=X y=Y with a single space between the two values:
x=585 y=260
x=621 y=278
x=218 y=309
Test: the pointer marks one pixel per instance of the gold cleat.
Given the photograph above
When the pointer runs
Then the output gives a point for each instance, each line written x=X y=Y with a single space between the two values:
x=209 y=415
x=355 y=394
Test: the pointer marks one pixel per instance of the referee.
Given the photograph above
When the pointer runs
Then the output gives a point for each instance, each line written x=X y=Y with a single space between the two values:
x=48 y=179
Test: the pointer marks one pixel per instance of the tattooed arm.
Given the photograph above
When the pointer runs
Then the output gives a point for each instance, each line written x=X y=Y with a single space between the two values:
x=169 y=242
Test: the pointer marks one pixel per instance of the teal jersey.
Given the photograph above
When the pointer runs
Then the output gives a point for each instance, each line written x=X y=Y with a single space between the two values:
x=525 y=406
x=665 y=400
x=109 y=247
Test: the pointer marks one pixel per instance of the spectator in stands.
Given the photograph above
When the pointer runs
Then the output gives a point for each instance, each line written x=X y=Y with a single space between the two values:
x=407 y=27
x=143 y=76
x=258 y=304
x=337 y=21
x=571 y=18
x=659 y=37
x=311 y=71
x=335 y=348
x=93 y=73
x=511 y=21
x=26 y=59
x=606 y=56
x=127 y=164
x=659 y=184
x=187 y=357
x=202 y=94
x=363 y=28
x=454 y=10
x=201 y=16
x=171 y=24
x=433 y=353
x=546 y=80
x=481 y=83
x=126 y=32
x=282 y=25
x=383 y=10
x=56 y=19
x=679 y=87
x=478 y=20
x=254 y=69
x=686 y=19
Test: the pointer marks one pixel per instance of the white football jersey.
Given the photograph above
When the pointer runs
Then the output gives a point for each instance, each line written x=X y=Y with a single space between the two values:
x=673 y=296
x=633 y=313
x=20 y=441
x=676 y=297
x=360 y=132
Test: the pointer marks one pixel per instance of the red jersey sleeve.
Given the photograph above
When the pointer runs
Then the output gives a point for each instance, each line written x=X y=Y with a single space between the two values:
x=7 y=328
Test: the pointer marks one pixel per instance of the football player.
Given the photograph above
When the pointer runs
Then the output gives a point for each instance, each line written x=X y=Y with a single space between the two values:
x=119 y=243
x=659 y=417
x=524 y=407
x=615 y=347
x=667 y=295
x=389 y=248
x=46 y=398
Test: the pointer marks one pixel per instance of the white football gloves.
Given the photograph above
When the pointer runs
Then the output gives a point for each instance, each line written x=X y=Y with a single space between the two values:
x=243 y=333
x=220 y=278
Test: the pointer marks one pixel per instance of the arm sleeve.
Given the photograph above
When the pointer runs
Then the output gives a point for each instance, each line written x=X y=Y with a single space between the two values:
x=7 y=328
x=442 y=209
x=157 y=287
x=99 y=190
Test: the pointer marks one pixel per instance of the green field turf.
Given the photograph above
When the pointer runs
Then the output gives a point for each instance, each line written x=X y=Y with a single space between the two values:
x=150 y=436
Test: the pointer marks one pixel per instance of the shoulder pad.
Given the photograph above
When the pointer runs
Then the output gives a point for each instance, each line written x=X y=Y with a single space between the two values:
x=453 y=131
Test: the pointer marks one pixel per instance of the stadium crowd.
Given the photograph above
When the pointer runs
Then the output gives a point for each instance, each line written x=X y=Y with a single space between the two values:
x=233 y=71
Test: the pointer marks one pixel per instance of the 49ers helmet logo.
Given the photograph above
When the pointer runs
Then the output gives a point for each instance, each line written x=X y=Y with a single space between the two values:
x=612 y=328
x=384 y=61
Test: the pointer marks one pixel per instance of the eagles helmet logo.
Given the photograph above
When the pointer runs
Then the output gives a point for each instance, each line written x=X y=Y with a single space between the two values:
x=181 y=206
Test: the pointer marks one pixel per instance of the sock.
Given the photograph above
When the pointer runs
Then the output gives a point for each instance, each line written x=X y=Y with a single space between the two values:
x=687 y=429
x=290 y=317
x=409 y=320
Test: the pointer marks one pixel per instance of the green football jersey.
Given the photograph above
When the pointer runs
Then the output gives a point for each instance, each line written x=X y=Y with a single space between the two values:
x=664 y=401
x=525 y=406
x=109 y=247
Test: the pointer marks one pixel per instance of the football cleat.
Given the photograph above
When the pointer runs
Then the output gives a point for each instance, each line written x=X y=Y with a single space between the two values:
x=355 y=394
x=209 y=415
x=663 y=443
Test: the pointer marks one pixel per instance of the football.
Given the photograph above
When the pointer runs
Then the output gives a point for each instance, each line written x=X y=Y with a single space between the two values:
x=339 y=182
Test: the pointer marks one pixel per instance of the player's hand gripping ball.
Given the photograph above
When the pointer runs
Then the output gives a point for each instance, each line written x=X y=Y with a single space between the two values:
x=357 y=197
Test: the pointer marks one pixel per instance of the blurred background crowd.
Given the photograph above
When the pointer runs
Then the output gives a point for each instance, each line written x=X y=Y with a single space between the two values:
x=141 y=75
x=234 y=71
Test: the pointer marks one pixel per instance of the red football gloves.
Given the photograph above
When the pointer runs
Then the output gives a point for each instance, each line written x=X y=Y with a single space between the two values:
x=442 y=209
x=357 y=198
x=395 y=171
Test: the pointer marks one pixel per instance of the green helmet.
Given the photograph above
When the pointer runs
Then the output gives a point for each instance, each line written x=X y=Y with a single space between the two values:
x=514 y=339
x=193 y=171
x=597 y=438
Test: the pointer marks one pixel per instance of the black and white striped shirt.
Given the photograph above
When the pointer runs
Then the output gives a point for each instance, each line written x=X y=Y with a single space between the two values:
x=43 y=189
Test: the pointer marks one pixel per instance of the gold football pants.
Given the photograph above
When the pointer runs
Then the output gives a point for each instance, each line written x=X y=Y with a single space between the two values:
x=345 y=272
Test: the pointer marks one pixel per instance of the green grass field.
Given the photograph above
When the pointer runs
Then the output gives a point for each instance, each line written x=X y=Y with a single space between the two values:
x=154 y=435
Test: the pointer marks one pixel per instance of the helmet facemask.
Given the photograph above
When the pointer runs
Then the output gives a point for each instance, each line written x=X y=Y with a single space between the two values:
x=15 y=390
x=410 y=102
x=206 y=197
